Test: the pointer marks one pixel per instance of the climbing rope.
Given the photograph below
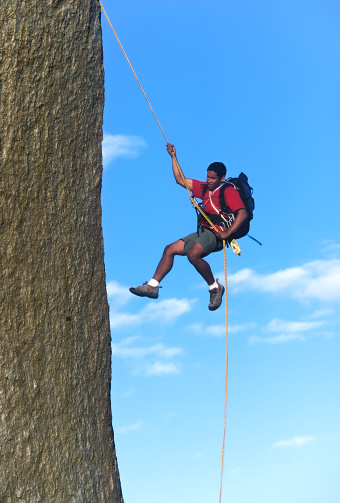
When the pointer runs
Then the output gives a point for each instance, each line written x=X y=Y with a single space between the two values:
x=234 y=245
x=226 y=367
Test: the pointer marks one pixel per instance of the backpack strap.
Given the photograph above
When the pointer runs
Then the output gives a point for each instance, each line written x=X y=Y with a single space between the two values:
x=224 y=207
x=221 y=189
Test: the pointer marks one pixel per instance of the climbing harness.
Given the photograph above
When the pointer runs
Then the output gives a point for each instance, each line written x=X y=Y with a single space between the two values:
x=233 y=244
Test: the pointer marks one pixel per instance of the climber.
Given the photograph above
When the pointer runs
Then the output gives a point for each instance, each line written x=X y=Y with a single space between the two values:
x=199 y=244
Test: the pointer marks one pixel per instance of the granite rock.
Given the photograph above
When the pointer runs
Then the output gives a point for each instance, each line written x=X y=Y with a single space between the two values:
x=56 y=437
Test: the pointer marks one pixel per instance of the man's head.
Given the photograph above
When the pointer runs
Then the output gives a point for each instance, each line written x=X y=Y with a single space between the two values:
x=215 y=175
x=219 y=169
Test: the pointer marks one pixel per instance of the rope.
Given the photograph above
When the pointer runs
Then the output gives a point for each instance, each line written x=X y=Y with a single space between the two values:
x=133 y=71
x=194 y=202
x=226 y=366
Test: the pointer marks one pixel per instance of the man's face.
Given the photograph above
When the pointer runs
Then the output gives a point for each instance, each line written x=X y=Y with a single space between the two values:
x=213 y=180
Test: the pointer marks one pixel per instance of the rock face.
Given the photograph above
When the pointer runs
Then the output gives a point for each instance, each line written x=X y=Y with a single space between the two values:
x=56 y=438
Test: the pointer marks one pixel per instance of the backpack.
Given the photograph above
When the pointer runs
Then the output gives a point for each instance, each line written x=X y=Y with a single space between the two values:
x=246 y=193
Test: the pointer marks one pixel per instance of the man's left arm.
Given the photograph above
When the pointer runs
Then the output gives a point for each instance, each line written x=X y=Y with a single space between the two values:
x=241 y=216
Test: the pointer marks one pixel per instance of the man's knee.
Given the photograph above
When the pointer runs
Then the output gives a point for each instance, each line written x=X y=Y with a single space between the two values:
x=195 y=254
x=191 y=256
x=174 y=248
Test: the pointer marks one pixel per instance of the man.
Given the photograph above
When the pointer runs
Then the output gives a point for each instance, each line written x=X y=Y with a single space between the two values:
x=199 y=244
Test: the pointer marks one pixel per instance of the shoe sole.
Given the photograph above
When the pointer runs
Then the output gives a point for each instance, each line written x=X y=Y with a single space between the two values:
x=216 y=307
x=150 y=296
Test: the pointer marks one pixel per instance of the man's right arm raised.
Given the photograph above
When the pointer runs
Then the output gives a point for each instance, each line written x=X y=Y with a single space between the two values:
x=175 y=167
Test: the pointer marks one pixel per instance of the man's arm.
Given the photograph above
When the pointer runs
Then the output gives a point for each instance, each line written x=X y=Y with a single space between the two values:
x=241 y=216
x=172 y=152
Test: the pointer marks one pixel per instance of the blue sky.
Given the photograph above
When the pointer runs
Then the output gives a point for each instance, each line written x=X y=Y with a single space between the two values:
x=255 y=85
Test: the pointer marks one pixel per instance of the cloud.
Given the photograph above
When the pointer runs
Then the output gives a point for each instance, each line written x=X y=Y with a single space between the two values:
x=167 y=310
x=318 y=280
x=292 y=327
x=126 y=349
x=219 y=330
x=115 y=146
x=322 y=313
x=159 y=368
x=293 y=442
x=131 y=347
x=120 y=293
x=277 y=339
x=330 y=248
x=290 y=331
x=216 y=330
x=160 y=311
x=164 y=311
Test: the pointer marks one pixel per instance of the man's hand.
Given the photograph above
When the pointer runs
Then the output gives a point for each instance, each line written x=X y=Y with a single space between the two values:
x=176 y=169
x=171 y=149
x=223 y=235
x=241 y=216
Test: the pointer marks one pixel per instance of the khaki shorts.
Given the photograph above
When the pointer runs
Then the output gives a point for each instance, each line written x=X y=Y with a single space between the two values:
x=205 y=238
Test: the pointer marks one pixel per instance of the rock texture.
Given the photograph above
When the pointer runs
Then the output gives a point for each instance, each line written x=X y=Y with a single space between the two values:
x=56 y=438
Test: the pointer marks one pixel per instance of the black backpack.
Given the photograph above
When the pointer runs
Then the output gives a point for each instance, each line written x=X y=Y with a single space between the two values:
x=246 y=193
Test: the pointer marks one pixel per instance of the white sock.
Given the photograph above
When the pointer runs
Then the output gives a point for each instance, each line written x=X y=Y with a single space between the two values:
x=153 y=282
x=214 y=285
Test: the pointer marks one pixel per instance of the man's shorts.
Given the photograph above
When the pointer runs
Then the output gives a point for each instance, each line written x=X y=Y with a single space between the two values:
x=206 y=238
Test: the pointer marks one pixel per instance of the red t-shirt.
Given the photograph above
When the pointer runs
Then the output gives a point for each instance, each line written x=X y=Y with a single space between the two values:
x=231 y=197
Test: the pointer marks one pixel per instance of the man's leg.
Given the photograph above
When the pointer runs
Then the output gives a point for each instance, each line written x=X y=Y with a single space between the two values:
x=150 y=289
x=167 y=260
x=195 y=258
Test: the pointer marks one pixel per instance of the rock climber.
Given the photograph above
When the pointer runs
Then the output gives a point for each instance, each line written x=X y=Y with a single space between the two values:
x=204 y=241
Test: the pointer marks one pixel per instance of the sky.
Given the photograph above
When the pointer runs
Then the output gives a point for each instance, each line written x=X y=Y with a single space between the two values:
x=255 y=85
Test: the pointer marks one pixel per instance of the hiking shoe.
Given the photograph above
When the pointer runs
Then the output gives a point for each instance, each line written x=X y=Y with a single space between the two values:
x=146 y=290
x=216 y=295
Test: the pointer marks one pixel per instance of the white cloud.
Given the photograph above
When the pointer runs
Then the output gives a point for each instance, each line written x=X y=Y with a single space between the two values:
x=167 y=310
x=330 y=248
x=120 y=293
x=289 y=331
x=318 y=280
x=163 y=311
x=159 y=368
x=114 y=146
x=292 y=327
x=132 y=348
x=233 y=329
x=277 y=339
x=126 y=349
x=321 y=313
x=124 y=319
x=218 y=330
x=294 y=442
x=201 y=329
